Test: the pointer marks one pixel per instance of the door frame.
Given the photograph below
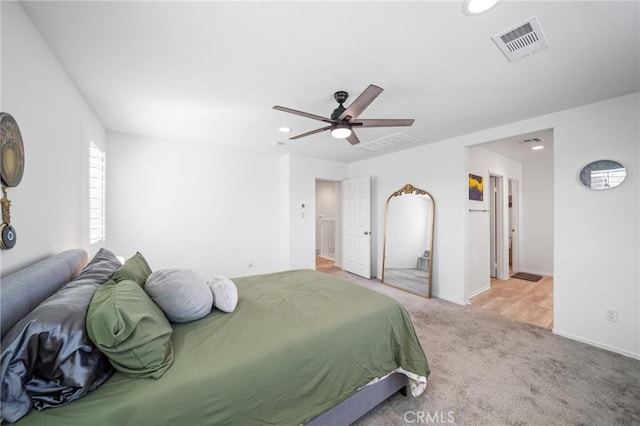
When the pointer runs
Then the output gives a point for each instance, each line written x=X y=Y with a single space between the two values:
x=338 y=217
x=514 y=230
x=499 y=260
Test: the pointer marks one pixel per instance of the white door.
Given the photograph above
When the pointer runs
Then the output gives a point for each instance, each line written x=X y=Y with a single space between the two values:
x=356 y=220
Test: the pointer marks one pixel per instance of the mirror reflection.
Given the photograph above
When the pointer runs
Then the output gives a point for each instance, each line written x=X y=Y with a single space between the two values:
x=602 y=175
x=408 y=240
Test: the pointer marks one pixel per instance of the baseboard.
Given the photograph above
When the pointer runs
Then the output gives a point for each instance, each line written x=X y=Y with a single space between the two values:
x=324 y=257
x=448 y=299
x=477 y=292
x=597 y=344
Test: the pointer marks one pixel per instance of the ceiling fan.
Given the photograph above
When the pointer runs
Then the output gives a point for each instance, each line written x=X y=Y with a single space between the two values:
x=344 y=119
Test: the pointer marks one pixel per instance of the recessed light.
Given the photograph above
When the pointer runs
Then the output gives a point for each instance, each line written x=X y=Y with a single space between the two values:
x=476 y=7
x=537 y=147
x=284 y=129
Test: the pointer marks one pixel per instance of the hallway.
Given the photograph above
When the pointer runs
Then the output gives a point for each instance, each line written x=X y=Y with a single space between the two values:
x=526 y=301
x=326 y=265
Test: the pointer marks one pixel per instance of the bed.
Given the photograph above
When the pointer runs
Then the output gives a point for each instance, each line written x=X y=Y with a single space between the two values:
x=302 y=347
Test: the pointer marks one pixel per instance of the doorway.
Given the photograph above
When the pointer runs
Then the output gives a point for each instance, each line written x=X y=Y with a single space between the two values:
x=524 y=300
x=328 y=225
x=522 y=167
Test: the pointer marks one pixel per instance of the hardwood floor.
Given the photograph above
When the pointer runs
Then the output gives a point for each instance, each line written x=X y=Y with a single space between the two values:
x=526 y=301
x=326 y=265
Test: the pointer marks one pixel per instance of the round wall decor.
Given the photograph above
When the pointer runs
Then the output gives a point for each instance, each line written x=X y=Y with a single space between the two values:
x=8 y=237
x=11 y=151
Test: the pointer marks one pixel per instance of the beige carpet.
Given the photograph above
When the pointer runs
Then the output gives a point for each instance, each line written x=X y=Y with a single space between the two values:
x=490 y=370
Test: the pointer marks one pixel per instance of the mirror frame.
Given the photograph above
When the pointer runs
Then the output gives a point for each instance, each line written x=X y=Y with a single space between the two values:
x=410 y=189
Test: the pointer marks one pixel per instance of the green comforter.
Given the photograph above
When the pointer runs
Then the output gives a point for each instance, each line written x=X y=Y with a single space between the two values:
x=299 y=343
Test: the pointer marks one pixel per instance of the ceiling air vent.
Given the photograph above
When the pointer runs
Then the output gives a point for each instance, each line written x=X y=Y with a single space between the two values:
x=530 y=140
x=522 y=40
x=393 y=142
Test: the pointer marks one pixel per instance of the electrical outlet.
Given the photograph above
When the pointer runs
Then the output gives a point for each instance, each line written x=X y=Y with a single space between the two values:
x=611 y=315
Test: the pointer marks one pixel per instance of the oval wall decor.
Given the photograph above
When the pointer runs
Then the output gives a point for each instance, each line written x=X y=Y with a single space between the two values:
x=11 y=151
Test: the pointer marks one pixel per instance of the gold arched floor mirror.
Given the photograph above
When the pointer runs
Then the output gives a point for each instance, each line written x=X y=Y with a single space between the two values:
x=407 y=254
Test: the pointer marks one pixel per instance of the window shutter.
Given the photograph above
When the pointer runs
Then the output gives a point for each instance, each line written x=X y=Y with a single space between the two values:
x=97 y=191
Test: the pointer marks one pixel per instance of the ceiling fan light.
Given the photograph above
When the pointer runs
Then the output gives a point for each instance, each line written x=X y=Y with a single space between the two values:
x=341 y=131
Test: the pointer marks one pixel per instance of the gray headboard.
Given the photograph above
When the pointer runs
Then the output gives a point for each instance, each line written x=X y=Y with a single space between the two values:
x=23 y=290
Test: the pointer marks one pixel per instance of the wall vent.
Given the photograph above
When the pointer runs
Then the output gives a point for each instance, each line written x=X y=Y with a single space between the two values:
x=393 y=142
x=522 y=40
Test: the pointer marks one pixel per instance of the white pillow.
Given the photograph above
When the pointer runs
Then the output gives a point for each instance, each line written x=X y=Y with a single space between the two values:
x=225 y=293
x=182 y=294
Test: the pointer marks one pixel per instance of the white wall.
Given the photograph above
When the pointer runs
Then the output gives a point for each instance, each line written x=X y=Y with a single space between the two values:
x=440 y=170
x=596 y=246
x=49 y=208
x=189 y=205
x=536 y=208
x=483 y=162
x=303 y=172
x=596 y=233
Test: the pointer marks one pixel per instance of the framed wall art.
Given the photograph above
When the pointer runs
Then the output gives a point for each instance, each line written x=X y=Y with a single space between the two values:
x=475 y=187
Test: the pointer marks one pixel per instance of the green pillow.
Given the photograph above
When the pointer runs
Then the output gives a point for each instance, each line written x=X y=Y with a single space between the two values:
x=135 y=269
x=130 y=329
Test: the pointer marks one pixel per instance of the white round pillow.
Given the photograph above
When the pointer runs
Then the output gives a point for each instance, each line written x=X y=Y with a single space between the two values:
x=182 y=294
x=225 y=293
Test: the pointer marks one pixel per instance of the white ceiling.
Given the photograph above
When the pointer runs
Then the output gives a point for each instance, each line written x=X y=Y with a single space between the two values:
x=211 y=71
x=518 y=147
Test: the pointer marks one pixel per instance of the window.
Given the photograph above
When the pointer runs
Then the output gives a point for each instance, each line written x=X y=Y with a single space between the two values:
x=609 y=178
x=97 y=190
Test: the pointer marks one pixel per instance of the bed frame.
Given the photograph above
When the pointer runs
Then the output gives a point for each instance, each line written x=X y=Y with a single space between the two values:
x=23 y=290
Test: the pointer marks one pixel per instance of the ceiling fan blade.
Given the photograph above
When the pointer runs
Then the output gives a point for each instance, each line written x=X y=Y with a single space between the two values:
x=304 y=114
x=313 y=132
x=391 y=122
x=353 y=138
x=361 y=102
